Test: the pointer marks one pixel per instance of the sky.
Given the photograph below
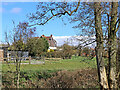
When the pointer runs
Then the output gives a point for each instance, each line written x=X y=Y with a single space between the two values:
x=17 y=12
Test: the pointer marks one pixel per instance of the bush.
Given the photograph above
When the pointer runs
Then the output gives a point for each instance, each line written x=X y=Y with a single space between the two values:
x=67 y=51
x=51 y=50
x=85 y=78
x=55 y=54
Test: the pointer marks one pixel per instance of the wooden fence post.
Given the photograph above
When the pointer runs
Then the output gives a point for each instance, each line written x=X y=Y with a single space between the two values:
x=44 y=59
x=29 y=59
x=1 y=55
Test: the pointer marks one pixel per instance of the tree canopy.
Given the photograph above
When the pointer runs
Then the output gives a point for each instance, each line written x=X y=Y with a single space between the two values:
x=37 y=46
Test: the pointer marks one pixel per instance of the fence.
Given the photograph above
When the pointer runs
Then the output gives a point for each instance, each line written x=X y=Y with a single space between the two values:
x=22 y=60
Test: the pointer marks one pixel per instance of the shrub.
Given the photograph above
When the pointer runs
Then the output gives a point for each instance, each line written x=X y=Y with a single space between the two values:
x=55 y=54
x=85 y=78
x=51 y=50
x=67 y=51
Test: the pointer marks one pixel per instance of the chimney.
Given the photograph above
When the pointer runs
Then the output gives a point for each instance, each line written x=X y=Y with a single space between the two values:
x=51 y=35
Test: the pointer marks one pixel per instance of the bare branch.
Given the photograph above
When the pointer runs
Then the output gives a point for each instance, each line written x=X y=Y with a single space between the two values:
x=118 y=21
x=53 y=15
x=75 y=10
x=89 y=43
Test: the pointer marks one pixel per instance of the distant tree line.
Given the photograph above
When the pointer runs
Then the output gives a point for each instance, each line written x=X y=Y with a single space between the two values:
x=66 y=52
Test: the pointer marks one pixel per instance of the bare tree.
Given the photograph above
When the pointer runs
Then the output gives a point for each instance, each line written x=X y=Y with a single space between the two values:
x=112 y=46
x=99 y=48
x=16 y=40
x=119 y=50
x=89 y=15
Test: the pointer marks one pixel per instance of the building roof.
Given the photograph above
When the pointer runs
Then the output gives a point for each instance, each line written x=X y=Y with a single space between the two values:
x=51 y=41
x=47 y=37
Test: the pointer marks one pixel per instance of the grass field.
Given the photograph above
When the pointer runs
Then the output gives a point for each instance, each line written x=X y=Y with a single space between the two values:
x=78 y=72
x=52 y=73
x=51 y=65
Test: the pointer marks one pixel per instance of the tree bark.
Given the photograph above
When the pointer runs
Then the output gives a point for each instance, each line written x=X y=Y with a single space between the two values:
x=112 y=47
x=118 y=59
x=118 y=51
x=99 y=48
x=17 y=71
x=18 y=61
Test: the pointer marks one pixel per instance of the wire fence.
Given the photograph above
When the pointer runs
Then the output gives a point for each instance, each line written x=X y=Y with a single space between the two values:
x=23 y=60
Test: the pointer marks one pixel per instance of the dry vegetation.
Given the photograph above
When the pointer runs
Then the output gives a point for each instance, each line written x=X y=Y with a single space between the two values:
x=85 y=78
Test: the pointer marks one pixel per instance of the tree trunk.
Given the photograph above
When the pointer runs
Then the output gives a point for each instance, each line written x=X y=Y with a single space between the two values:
x=18 y=61
x=112 y=47
x=29 y=59
x=118 y=80
x=99 y=48
x=118 y=59
x=17 y=71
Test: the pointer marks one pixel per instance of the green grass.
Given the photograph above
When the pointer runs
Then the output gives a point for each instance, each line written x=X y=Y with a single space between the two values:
x=65 y=64
x=36 y=72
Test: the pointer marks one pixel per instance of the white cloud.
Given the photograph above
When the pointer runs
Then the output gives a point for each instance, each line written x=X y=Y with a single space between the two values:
x=73 y=40
x=16 y=10
x=57 y=37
